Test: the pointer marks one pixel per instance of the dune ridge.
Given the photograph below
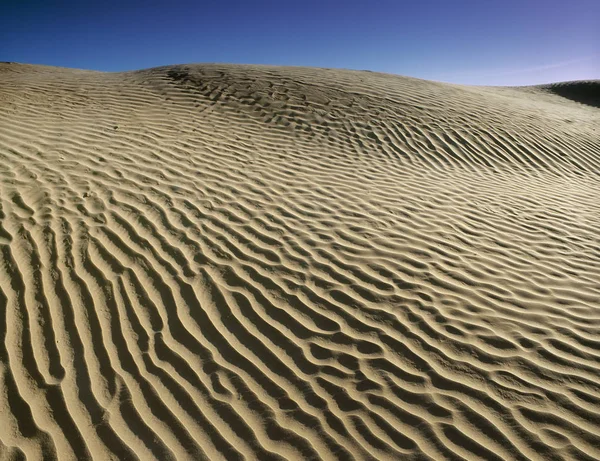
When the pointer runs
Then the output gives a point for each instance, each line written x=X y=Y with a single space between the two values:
x=253 y=262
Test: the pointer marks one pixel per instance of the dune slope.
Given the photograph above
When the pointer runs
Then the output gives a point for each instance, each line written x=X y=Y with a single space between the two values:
x=244 y=262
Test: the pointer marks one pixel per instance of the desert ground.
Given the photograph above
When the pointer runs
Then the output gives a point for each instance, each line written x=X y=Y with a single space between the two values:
x=231 y=262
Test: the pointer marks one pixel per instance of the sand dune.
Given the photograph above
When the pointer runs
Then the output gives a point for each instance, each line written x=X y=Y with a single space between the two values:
x=247 y=262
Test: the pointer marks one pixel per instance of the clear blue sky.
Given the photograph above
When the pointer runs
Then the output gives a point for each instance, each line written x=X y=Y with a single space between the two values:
x=508 y=42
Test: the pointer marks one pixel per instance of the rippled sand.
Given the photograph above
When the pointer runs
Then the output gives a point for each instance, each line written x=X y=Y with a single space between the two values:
x=236 y=262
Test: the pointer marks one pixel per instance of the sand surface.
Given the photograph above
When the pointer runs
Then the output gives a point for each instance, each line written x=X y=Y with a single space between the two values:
x=232 y=262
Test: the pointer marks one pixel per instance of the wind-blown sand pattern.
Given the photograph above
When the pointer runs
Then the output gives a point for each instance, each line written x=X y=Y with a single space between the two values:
x=235 y=262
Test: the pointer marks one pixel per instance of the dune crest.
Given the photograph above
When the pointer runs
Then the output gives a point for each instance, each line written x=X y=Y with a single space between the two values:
x=253 y=262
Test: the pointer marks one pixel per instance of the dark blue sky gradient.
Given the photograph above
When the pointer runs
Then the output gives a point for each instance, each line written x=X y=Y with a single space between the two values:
x=509 y=42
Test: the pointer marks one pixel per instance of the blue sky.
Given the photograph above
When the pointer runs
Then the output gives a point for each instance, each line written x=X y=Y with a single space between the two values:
x=510 y=42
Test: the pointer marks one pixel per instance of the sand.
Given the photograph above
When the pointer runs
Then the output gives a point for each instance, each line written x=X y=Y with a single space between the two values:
x=247 y=262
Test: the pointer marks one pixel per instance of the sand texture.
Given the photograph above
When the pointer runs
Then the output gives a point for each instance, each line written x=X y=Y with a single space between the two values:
x=244 y=262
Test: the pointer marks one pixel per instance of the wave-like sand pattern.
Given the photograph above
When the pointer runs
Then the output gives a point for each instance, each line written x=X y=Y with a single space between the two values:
x=234 y=262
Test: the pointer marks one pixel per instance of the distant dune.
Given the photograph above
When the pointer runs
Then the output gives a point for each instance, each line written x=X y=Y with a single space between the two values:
x=246 y=262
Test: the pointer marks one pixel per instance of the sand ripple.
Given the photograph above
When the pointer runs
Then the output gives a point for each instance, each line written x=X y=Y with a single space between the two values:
x=227 y=262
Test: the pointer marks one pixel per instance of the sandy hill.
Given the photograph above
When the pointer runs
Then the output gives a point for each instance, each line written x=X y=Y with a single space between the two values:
x=263 y=263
